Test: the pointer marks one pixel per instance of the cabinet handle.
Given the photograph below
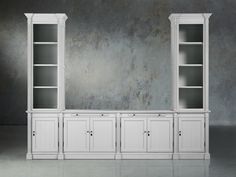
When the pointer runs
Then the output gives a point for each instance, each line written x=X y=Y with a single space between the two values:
x=144 y=132
x=148 y=133
x=33 y=133
x=180 y=133
x=87 y=131
x=91 y=133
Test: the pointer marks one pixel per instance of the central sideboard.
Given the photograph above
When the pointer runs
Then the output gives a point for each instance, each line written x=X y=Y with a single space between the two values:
x=78 y=134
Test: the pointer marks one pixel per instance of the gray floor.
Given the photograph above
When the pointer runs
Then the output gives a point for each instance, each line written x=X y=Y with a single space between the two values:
x=13 y=163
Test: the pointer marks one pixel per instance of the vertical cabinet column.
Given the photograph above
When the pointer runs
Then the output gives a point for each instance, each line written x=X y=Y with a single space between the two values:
x=45 y=51
x=190 y=59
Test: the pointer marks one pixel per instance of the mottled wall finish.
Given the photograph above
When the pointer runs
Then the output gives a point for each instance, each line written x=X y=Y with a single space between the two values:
x=117 y=54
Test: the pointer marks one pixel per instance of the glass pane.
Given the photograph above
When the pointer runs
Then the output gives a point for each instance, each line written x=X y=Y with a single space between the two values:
x=45 y=98
x=45 y=33
x=191 y=33
x=190 y=54
x=45 y=54
x=190 y=76
x=190 y=98
x=45 y=76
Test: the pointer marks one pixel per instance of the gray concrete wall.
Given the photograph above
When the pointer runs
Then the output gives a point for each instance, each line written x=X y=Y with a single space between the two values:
x=117 y=54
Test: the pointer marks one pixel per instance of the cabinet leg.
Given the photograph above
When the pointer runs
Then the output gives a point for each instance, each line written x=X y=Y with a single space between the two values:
x=60 y=157
x=29 y=156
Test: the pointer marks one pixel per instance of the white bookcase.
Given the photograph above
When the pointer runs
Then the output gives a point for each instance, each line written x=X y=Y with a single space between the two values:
x=46 y=42
x=58 y=133
x=190 y=60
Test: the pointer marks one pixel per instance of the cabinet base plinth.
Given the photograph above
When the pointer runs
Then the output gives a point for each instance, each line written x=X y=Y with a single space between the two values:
x=60 y=156
x=45 y=156
x=146 y=155
x=191 y=155
x=175 y=156
x=118 y=156
x=89 y=156
x=207 y=156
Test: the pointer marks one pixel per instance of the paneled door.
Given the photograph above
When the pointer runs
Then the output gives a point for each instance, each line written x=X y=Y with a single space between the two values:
x=102 y=135
x=160 y=135
x=133 y=135
x=191 y=134
x=76 y=134
x=45 y=135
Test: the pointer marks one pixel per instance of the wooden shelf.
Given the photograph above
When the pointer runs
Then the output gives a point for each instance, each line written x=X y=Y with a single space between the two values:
x=45 y=87
x=190 y=87
x=51 y=43
x=190 y=43
x=45 y=65
x=191 y=65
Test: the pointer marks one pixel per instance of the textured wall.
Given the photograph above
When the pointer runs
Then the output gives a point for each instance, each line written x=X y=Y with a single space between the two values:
x=117 y=54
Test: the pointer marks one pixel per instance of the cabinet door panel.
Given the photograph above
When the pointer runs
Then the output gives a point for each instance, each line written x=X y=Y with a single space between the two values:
x=161 y=135
x=133 y=136
x=45 y=135
x=103 y=134
x=76 y=137
x=191 y=137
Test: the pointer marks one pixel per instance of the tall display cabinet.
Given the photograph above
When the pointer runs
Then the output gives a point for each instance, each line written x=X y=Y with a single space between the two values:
x=182 y=132
x=190 y=56
x=46 y=36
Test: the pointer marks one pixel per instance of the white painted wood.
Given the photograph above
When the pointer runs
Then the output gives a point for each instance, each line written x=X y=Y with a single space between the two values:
x=186 y=101
x=61 y=60
x=133 y=135
x=29 y=62
x=146 y=155
x=192 y=155
x=45 y=135
x=102 y=135
x=43 y=18
x=160 y=135
x=207 y=156
x=76 y=134
x=176 y=136
x=90 y=155
x=29 y=136
x=61 y=137
x=120 y=134
x=191 y=135
x=206 y=59
x=45 y=156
